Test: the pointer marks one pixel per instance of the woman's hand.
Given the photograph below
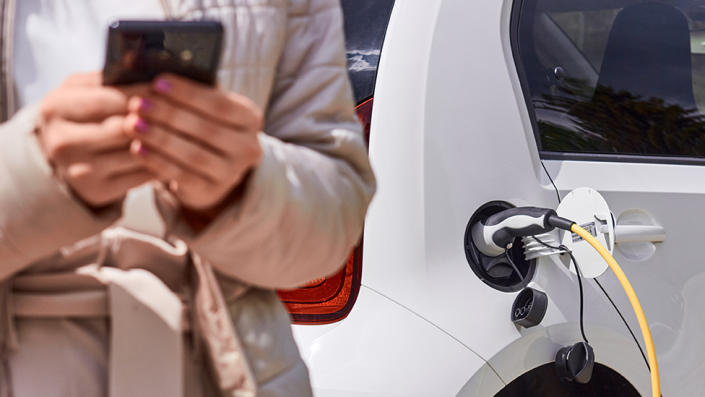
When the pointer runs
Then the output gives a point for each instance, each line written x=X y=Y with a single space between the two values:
x=199 y=140
x=81 y=134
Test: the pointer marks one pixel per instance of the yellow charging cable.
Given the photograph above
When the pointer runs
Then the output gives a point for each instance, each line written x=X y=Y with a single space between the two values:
x=651 y=352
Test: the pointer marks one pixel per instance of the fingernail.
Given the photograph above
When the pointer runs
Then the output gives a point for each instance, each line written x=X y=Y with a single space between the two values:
x=141 y=126
x=145 y=104
x=142 y=150
x=162 y=85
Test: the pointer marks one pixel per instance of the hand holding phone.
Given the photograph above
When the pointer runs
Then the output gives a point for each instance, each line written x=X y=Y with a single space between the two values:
x=81 y=134
x=200 y=140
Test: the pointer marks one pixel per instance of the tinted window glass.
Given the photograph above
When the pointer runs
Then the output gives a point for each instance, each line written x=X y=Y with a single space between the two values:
x=365 y=24
x=615 y=76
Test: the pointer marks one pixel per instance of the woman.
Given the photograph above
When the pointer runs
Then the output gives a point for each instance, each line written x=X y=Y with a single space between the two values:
x=169 y=292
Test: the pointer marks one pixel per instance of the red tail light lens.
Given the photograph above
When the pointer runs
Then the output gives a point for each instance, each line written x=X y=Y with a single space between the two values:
x=364 y=113
x=330 y=299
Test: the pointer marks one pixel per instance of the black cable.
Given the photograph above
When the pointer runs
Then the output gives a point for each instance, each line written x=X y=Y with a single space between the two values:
x=580 y=286
x=580 y=281
x=511 y=262
x=636 y=342
x=549 y=246
x=552 y=183
x=646 y=360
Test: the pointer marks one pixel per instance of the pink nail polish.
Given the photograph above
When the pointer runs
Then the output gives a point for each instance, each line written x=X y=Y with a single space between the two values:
x=145 y=104
x=162 y=85
x=141 y=126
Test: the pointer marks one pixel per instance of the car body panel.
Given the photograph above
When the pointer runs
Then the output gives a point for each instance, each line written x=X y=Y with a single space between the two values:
x=670 y=283
x=484 y=382
x=432 y=165
x=382 y=343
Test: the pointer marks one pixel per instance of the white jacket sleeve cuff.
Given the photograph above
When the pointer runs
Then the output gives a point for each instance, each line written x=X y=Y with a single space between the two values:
x=38 y=214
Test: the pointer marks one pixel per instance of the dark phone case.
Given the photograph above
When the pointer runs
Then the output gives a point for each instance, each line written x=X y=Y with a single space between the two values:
x=137 y=51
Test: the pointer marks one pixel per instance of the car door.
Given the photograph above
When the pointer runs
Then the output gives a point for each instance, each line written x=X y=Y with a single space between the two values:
x=616 y=95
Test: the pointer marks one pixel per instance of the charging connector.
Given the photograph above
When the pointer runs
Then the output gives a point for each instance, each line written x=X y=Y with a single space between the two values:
x=560 y=222
x=493 y=236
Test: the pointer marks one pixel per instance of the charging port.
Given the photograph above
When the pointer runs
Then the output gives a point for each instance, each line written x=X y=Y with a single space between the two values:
x=498 y=272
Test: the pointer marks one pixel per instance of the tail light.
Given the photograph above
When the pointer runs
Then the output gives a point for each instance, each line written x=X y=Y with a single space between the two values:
x=331 y=299
x=364 y=113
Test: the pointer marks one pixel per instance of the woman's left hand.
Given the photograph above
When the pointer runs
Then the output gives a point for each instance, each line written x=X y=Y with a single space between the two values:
x=199 y=140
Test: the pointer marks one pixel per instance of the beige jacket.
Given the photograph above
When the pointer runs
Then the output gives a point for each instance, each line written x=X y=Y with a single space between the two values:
x=180 y=301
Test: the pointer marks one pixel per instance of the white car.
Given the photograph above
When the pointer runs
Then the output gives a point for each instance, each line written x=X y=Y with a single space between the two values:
x=470 y=98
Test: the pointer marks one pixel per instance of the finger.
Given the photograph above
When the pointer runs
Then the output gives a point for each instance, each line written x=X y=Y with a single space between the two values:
x=84 y=104
x=232 y=109
x=115 y=163
x=89 y=103
x=165 y=169
x=95 y=79
x=183 y=120
x=139 y=89
x=67 y=139
x=186 y=152
x=99 y=191
x=118 y=185
x=85 y=79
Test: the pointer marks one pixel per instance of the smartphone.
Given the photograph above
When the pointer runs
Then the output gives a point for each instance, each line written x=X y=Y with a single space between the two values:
x=137 y=51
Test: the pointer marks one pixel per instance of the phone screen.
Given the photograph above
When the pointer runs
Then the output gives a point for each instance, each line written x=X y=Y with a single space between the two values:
x=137 y=51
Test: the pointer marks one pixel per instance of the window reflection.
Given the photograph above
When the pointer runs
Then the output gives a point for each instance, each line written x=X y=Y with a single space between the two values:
x=621 y=81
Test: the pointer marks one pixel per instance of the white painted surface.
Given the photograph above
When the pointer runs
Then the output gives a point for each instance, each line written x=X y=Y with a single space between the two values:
x=639 y=233
x=448 y=136
x=450 y=132
x=484 y=382
x=383 y=349
x=587 y=208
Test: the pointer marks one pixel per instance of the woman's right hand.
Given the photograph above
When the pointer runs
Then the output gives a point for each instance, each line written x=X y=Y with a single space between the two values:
x=81 y=135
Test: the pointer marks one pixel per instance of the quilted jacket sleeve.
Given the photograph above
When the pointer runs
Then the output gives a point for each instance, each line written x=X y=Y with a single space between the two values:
x=303 y=207
x=38 y=215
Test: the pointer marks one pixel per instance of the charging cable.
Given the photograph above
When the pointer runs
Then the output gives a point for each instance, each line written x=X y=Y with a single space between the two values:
x=578 y=274
x=494 y=236
x=638 y=311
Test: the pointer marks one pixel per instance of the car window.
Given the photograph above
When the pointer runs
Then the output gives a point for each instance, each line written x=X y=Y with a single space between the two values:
x=365 y=25
x=613 y=77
